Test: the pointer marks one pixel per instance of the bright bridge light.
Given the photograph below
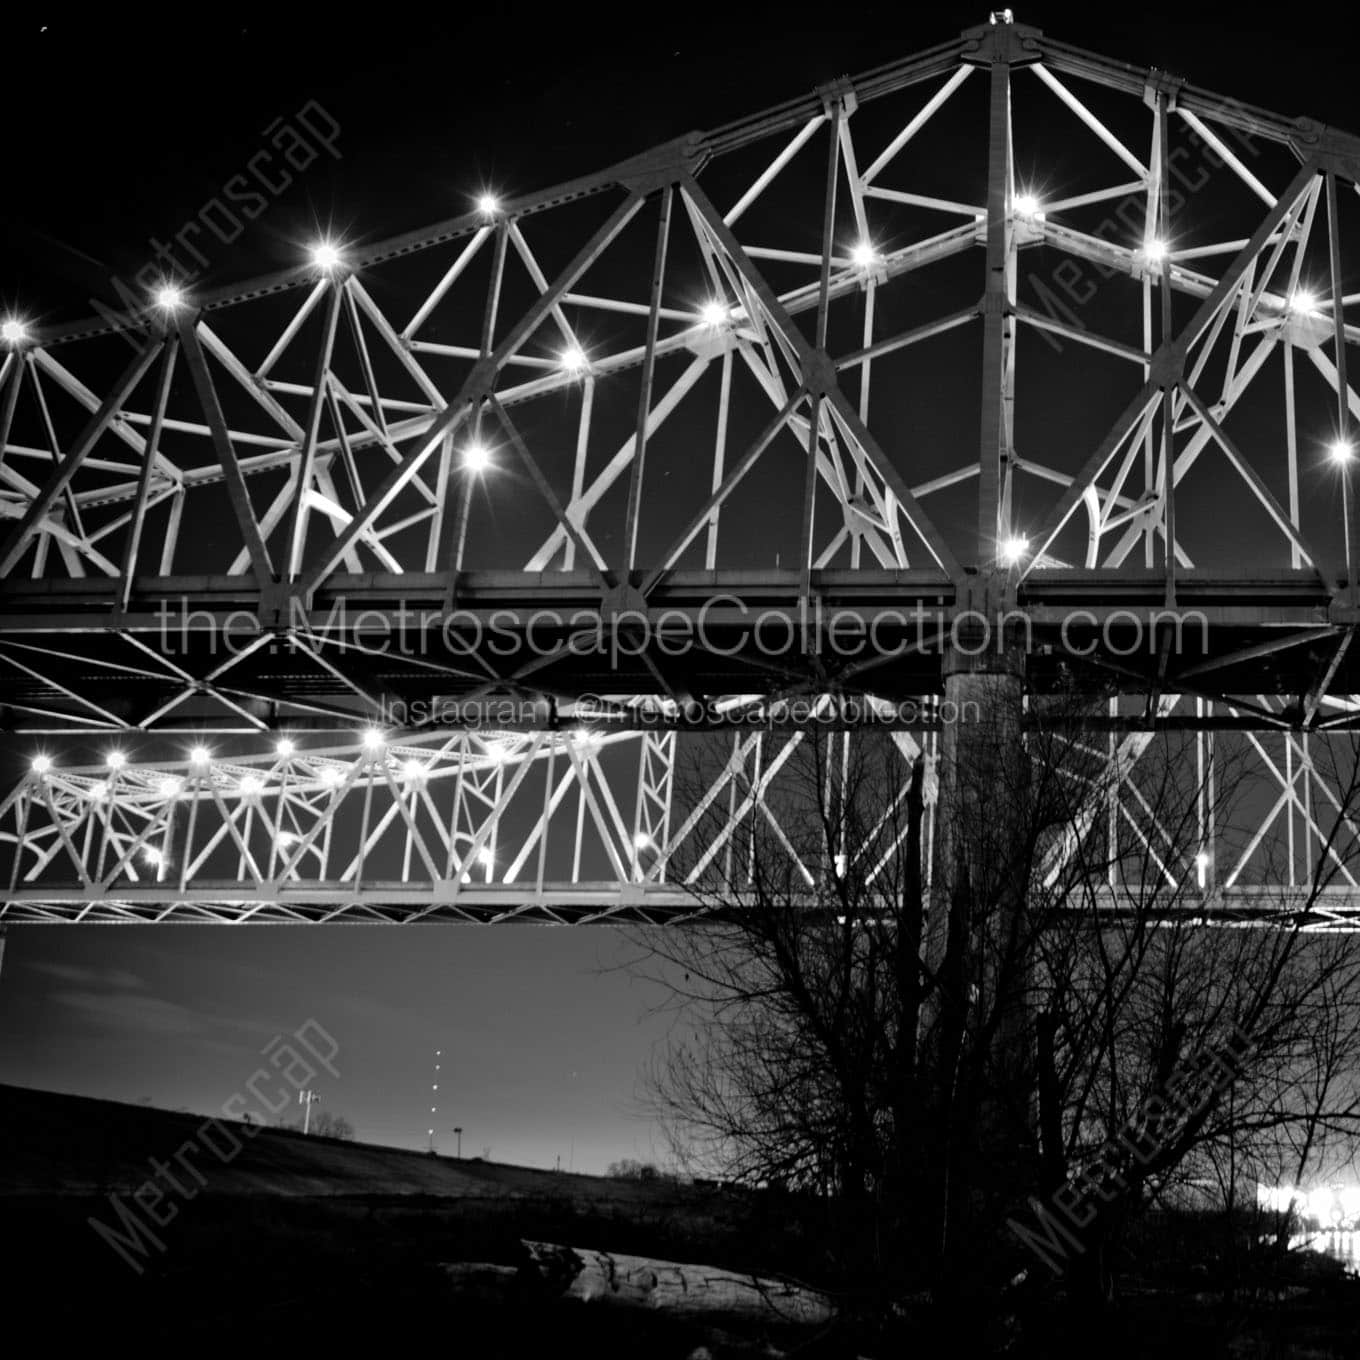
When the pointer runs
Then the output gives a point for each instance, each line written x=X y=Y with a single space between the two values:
x=168 y=788
x=476 y=457
x=13 y=331
x=1303 y=302
x=200 y=755
x=153 y=856
x=373 y=739
x=41 y=764
x=573 y=360
x=169 y=297
x=413 y=769
x=713 y=313
x=641 y=840
x=489 y=204
x=1013 y=548
x=284 y=747
x=1027 y=205
x=249 y=785
x=286 y=838
x=484 y=856
x=1340 y=451
x=864 y=256
x=1155 y=250
x=99 y=790
x=330 y=775
x=325 y=255
x=115 y=760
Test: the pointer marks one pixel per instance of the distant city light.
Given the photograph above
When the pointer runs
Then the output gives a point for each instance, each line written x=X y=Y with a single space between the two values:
x=713 y=313
x=476 y=457
x=284 y=747
x=115 y=760
x=864 y=255
x=200 y=755
x=13 y=331
x=325 y=255
x=1013 y=549
x=169 y=297
x=249 y=784
x=1027 y=205
x=1340 y=451
x=573 y=360
x=489 y=204
x=41 y=764
x=168 y=788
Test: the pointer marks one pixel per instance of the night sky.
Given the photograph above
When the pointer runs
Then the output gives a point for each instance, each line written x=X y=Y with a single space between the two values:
x=119 y=135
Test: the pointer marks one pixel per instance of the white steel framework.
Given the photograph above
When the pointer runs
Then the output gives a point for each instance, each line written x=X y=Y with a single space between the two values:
x=1005 y=329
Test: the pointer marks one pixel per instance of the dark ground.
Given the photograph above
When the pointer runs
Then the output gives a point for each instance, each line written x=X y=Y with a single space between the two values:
x=318 y=1242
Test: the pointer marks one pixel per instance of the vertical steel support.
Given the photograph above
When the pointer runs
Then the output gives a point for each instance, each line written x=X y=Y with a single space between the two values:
x=1168 y=388
x=993 y=453
x=1343 y=421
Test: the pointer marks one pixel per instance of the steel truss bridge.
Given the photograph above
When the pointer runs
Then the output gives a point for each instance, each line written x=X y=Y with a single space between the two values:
x=440 y=552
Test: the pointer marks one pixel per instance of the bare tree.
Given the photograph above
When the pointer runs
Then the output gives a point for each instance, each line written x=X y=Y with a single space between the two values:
x=1059 y=1022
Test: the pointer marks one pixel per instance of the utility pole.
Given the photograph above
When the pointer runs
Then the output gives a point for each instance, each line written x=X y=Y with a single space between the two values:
x=306 y=1100
x=458 y=1133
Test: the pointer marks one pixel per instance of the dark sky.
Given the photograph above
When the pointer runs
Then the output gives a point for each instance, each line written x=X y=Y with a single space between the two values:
x=118 y=134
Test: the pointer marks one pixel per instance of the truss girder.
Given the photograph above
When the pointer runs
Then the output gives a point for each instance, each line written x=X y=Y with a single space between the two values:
x=583 y=825
x=837 y=358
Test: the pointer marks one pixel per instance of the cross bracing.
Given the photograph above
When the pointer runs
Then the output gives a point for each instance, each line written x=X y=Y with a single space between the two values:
x=1007 y=329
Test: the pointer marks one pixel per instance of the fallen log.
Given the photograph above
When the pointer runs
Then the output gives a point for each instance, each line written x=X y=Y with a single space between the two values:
x=689 y=1293
x=696 y=1293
